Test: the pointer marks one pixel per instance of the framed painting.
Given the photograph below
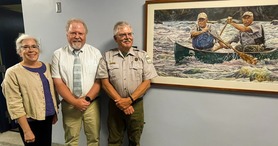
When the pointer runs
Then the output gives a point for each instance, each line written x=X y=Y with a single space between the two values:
x=226 y=57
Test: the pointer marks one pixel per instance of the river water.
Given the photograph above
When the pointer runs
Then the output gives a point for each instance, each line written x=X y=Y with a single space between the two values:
x=167 y=33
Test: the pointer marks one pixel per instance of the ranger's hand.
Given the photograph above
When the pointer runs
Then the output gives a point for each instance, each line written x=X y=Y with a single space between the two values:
x=129 y=110
x=123 y=103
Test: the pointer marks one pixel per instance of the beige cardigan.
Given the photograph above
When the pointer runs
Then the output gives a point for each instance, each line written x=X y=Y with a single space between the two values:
x=24 y=92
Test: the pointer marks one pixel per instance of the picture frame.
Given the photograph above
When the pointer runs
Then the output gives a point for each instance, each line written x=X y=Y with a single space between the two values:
x=168 y=23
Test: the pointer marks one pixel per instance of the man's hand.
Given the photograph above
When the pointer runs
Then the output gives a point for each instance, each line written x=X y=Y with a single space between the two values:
x=196 y=33
x=129 y=110
x=123 y=103
x=81 y=104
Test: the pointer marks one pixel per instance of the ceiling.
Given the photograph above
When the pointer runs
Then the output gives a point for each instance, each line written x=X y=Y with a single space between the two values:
x=9 y=2
x=11 y=5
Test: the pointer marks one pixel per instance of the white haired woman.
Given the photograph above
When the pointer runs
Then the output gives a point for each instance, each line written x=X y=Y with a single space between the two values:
x=29 y=92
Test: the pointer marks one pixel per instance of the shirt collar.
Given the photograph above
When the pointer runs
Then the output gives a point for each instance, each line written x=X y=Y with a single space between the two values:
x=71 y=49
x=130 y=52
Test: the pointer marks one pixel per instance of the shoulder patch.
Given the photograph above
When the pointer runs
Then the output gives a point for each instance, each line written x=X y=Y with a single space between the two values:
x=148 y=59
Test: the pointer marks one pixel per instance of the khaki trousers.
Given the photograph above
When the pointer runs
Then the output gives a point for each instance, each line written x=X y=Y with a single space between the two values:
x=73 y=120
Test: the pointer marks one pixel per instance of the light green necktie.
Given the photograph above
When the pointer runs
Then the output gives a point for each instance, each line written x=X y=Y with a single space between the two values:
x=77 y=84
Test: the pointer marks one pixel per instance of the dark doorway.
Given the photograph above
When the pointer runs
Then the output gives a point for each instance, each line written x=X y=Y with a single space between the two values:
x=11 y=25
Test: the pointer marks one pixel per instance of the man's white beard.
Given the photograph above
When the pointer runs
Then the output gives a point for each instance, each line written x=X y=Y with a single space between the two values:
x=77 y=45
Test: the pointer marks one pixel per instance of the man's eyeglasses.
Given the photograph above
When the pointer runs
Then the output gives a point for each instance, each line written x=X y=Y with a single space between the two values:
x=30 y=47
x=73 y=34
x=125 y=34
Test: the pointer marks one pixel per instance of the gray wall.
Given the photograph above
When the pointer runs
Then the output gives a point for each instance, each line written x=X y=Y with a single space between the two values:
x=174 y=116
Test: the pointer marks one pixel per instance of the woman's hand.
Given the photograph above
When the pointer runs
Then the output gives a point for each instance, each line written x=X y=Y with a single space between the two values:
x=55 y=119
x=29 y=136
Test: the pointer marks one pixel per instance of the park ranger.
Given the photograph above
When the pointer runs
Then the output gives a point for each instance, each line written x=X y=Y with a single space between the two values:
x=125 y=74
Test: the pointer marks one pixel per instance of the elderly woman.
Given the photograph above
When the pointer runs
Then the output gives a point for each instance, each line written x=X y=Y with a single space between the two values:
x=29 y=91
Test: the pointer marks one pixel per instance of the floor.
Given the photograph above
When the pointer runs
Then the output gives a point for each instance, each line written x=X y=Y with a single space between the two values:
x=12 y=138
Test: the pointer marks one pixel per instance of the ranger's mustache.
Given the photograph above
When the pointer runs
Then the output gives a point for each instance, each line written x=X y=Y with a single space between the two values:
x=126 y=40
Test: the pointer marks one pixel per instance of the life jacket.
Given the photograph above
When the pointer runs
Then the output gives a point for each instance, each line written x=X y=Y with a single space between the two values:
x=261 y=40
x=203 y=41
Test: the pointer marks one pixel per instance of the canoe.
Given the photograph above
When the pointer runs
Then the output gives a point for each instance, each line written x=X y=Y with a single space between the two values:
x=181 y=52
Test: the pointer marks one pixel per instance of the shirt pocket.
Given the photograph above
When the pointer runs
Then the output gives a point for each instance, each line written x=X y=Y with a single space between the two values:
x=114 y=71
x=90 y=67
x=136 y=70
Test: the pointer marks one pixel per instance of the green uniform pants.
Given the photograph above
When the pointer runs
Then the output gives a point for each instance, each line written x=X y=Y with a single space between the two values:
x=118 y=123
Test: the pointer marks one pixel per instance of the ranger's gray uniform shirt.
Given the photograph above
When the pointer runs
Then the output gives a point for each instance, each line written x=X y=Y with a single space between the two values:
x=126 y=73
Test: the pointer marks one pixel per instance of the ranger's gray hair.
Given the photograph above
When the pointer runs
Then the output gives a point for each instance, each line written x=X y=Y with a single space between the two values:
x=120 y=24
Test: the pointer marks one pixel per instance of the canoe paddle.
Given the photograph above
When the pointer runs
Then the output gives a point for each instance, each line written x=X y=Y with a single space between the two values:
x=227 y=23
x=246 y=57
x=223 y=28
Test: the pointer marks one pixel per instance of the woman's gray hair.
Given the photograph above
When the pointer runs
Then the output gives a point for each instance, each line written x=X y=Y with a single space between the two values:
x=21 y=38
x=120 y=24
